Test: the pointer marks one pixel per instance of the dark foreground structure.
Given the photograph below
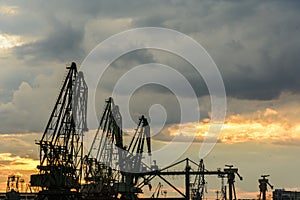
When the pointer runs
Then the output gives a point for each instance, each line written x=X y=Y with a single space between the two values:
x=281 y=194
x=111 y=169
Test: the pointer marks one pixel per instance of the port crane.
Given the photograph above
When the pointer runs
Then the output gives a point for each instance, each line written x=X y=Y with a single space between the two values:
x=101 y=164
x=230 y=171
x=61 y=146
x=109 y=167
x=263 y=186
x=136 y=146
x=188 y=171
x=109 y=170
x=133 y=164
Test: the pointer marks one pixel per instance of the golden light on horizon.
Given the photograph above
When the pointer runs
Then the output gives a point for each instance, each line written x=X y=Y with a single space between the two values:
x=15 y=165
x=17 y=162
x=268 y=127
x=234 y=132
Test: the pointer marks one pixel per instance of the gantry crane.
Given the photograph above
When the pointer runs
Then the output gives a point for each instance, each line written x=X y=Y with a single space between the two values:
x=230 y=171
x=133 y=163
x=105 y=157
x=108 y=165
x=263 y=186
x=61 y=146
x=187 y=173
x=136 y=146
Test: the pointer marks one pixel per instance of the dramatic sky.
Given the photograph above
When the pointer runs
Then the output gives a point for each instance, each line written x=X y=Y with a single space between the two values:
x=254 y=43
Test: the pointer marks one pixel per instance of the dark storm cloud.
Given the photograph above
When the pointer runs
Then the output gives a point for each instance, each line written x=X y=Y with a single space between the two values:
x=139 y=57
x=150 y=94
x=254 y=43
x=122 y=65
x=63 y=44
x=275 y=68
x=133 y=59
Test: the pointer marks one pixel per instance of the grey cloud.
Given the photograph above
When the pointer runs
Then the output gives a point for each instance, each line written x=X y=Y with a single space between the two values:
x=247 y=40
x=63 y=44
x=23 y=144
x=241 y=37
x=147 y=95
x=133 y=59
x=255 y=44
x=120 y=66
x=256 y=51
x=27 y=108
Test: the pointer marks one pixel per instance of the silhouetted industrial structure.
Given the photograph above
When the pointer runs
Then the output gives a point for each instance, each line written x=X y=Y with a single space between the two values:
x=263 y=186
x=281 y=194
x=231 y=179
x=110 y=169
x=61 y=146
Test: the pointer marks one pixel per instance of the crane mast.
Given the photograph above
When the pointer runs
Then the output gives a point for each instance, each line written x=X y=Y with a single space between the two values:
x=136 y=146
x=104 y=159
x=61 y=146
x=132 y=162
x=109 y=137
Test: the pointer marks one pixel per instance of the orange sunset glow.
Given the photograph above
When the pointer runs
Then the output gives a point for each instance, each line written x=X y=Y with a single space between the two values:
x=267 y=126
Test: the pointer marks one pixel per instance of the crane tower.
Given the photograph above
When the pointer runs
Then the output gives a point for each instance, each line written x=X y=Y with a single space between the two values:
x=61 y=146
